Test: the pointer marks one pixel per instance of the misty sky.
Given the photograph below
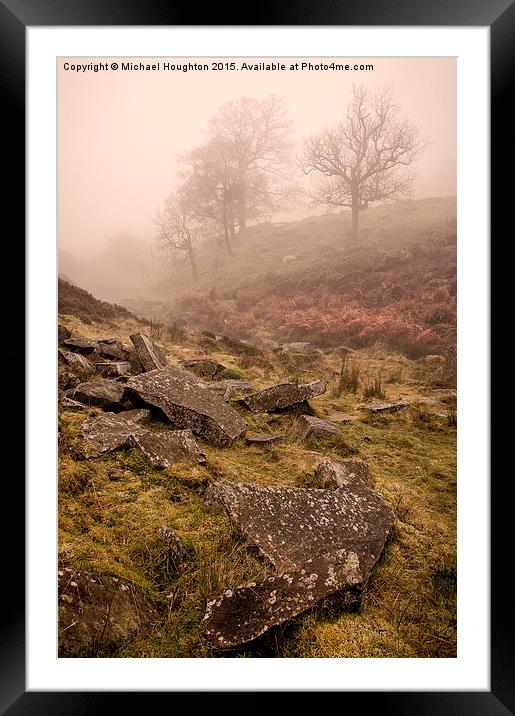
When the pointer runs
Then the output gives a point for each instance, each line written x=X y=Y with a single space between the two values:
x=119 y=133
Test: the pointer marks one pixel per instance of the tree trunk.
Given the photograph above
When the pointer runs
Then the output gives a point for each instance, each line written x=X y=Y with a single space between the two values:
x=242 y=209
x=226 y=240
x=355 y=220
x=193 y=264
x=226 y=226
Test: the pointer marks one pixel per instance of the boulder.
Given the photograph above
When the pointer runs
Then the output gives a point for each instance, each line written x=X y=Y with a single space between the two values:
x=77 y=362
x=70 y=404
x=344 y=473
x=187 y=403
x=62 y=333
x=108 y=432
x=98 y=613
x=321 y=542
x=386 y=407
x=283 y=395
x=77 y=343
x=263 y=439
x=66 y=379
x=300 y=347
x=112 y=349
x=136 y=415
x=314 y=428
x=203 y=367
x=166 y=448
x=227 y=389
x=113 y=370
x=105 y=394
x=290 y=525
x=150 y=356
x=239 y=616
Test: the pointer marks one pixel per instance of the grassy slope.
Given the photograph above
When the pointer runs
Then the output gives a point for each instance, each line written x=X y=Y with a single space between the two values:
x=75 y=301
x=110 y=508
x=398 y=285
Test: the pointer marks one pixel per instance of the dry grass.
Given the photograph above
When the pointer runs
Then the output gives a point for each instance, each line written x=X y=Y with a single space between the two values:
x=111 y=508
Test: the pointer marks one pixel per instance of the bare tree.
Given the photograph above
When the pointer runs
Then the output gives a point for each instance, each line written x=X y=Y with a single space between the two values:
x=178 y=228
x=366 y=158
x=255 y=134
x=210 y=182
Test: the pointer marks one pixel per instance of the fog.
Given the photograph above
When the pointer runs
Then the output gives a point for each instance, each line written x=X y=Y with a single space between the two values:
x=120 y=133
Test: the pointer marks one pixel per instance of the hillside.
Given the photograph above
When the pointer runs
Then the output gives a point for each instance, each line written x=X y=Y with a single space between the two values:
x=75 y=301
x=305 y=281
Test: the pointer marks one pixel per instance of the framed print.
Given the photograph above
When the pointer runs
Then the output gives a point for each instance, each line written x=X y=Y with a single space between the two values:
x=259 y=251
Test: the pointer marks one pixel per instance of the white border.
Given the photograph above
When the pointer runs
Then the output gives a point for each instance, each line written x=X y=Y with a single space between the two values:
x=470 y=671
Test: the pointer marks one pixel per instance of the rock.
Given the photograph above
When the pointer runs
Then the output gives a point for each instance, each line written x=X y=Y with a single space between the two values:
x=321 y=542
x=132 y=357
x=79 y=344
x=281 y=396
x=263 y=439
x=176 y=553
x=108 y=432
x=113 y=370
x=70 y=404
x=227 y=389
x=239 y=616
x=62 y=333
x=105 y=394
x=77 y=362
x=386 y=407
x=187 y=403
x=99 y=612
x=166 y=448
x=204 y=367
x=112 y=348
x=314 y=428
x=367 y=438
x=66 y=379
x=149 y=354
x=300 y=347
x=343 y=473
x=290 y=525
x=137 y=415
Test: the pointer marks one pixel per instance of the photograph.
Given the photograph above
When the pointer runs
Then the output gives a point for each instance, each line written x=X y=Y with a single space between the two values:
x=256 y=360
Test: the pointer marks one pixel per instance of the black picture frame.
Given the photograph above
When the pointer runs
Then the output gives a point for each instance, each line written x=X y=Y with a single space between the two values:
x=15 y=17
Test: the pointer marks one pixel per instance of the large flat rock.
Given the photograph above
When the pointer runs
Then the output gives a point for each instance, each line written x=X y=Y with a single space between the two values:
x=321 y=542
x=165 y=448
x=386 y=407
x=108 y=432
x=239 y=616
x=283 y=395
x=149 y=354
x=313 y=428
x=105 y=394
x=290 y=525
x=334 y=474
x=187 y=403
